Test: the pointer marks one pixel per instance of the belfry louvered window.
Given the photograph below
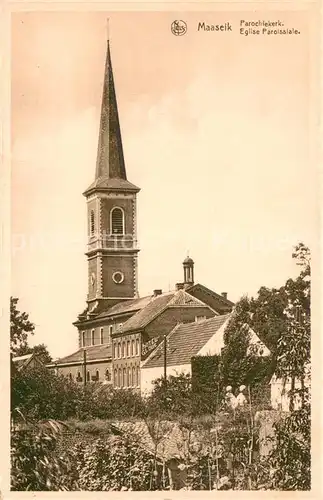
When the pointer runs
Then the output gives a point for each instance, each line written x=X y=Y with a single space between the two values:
x=92 y=222
x=117 y=221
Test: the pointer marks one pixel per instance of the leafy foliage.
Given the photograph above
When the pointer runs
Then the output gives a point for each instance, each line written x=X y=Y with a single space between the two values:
x=40 y=394
x=241 y=362
x=20 y=327
x=291 y=457
x=35 y=465
x=171 y=397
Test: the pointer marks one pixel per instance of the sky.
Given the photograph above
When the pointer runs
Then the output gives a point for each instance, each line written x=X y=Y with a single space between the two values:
x=215 y=131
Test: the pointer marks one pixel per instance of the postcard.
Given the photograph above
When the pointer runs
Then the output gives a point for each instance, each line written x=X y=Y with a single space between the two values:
x=163 y=196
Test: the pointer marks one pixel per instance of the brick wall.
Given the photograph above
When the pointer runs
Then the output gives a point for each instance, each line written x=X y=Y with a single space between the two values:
x=108 y=204
x=168 y=319
x=100 y=367
x=125 y=264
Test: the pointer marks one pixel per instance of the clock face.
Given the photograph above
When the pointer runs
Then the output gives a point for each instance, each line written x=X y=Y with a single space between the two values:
x=118 y=277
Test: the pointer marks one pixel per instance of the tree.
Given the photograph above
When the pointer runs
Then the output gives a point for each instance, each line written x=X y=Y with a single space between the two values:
x=294 y=345
x=268 y=315
x=20 y=327
x=291 y=457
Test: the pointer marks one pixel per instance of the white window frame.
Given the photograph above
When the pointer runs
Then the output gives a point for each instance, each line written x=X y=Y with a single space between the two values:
x=123 y=222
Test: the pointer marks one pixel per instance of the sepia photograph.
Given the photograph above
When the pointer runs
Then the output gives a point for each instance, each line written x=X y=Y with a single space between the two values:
x=164 y=218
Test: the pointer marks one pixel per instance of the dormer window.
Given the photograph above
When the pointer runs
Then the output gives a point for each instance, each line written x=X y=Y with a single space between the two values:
x=92 y=222
x=117 y=221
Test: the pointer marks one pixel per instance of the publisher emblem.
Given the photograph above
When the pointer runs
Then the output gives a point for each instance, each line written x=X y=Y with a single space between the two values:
x=179 y=28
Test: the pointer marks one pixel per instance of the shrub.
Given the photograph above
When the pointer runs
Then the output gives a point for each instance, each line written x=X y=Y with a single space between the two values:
x=35 y=465
x=40 y=394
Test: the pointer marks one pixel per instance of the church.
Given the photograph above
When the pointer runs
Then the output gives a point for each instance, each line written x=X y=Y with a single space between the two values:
x=118 y=331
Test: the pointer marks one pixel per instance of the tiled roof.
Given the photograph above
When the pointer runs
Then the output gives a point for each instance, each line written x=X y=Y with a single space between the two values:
x=182 y=298
x=124 y=307
x=206 y=290
x=154 y=306
x=21 y=361
x=93 y=352
x=185 y=341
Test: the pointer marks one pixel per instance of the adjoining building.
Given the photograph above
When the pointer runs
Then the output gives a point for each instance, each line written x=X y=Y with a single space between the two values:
x=27 y=361
x=205 y=337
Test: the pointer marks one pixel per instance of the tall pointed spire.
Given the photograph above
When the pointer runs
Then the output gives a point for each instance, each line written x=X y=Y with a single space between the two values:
x=110 y=172
x=110 y=160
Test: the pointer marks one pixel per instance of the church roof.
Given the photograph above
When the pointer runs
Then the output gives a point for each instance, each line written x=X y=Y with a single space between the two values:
x=185 y=341
x=95 y=352
x=113 y=184
x=110 y=171
x=127 y=306
x=156 y=305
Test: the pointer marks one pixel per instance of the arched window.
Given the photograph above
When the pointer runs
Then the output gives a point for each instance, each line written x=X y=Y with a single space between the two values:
x=123 y=349
x=119 y=377
x=137 y=347
x=124 y=378
x=138 y=377
x=79 y=377
x=133 y=348
x=88 y=377
x=129 y=377
x=97 y=375
x=117 y=220
x=115 y=382
x=92 y=222
x=83 y=339
x=107 y=375
x=92 y=337
x=133 y=383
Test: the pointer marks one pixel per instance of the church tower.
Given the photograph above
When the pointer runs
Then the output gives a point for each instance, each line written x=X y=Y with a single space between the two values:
x=111 y=213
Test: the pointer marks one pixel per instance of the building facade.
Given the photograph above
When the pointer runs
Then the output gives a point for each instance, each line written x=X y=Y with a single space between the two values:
x=117 y=329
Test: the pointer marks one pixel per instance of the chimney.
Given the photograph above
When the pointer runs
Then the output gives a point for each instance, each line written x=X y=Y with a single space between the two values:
x=224 y=295
x=179 y=286
x=157 y=292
